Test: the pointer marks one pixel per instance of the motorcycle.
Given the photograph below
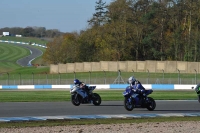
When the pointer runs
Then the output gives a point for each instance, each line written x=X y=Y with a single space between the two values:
x=77 y=99
x=144 y=101
x=197 y=89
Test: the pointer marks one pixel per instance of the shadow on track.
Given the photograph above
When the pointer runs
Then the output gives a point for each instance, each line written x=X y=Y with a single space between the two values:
x=102 y=105
x=176 y=110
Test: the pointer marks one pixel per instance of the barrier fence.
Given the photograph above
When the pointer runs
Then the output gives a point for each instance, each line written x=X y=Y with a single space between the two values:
x=103 y=80
x=97 y=78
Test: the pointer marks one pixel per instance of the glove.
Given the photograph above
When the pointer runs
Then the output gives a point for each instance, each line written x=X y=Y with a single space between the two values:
x=142 y=91
x=134 y=90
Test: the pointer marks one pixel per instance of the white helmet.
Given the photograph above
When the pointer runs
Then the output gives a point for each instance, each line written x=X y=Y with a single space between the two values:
x=131 y=80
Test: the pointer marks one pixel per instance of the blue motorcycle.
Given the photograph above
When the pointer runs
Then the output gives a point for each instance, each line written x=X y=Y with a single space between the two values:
x=77 y=99
x=138 y=99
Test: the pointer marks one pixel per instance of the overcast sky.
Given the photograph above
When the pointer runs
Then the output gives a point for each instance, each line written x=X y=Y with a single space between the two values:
x=64 y=15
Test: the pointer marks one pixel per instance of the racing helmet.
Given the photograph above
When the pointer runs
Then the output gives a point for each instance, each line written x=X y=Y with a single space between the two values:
x=131 y=80
x=76 y=81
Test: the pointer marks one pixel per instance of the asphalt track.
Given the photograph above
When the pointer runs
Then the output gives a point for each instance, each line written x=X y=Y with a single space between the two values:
x=34 y=53
x=33 y=109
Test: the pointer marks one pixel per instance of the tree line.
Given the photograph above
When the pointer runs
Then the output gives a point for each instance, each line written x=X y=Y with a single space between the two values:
x=34 y=31
x=133 y=30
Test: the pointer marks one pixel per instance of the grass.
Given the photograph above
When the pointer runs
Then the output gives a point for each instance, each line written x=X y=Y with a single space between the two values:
x=24 y=39
x=30 y=70
x=10 y=53
x=106 y=95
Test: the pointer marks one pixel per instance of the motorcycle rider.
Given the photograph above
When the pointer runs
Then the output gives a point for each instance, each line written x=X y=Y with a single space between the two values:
x=135 y=84
x=80 y=88
x=136 y=87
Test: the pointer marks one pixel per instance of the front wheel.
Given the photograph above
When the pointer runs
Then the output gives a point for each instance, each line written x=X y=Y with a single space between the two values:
x=96 y=99
x=75 y=99
x=128 y=104
x=151 y=104
x=199 y=98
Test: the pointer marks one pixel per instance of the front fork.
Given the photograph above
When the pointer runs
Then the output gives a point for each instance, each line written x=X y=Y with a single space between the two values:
x=198 y=98
x=131 y=100
x=75 y=96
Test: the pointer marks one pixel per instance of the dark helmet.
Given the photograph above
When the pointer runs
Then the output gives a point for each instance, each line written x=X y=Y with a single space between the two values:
x=76 y=81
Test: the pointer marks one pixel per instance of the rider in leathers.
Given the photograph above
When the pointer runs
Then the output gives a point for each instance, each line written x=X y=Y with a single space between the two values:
x=80 y=89
x=137 y=88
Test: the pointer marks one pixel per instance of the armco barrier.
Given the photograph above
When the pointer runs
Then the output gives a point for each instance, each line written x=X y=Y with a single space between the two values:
x=98 y=86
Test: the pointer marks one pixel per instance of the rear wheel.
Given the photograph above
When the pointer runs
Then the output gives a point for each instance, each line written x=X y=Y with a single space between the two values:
x=96 y=99
x=151 y=104
x=128 y=104
x=75 y=99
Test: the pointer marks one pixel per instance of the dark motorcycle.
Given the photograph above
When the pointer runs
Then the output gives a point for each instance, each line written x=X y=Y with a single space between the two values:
x=197 y=89
x=77 y=99
x=144 y=101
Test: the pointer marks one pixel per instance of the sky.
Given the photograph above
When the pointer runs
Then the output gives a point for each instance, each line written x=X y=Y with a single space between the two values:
x=64 y=15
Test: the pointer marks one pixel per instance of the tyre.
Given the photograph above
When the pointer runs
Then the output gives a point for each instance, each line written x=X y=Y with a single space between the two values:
x=151 y=104
x=75 y=99
x=199 y=98
x=128 y=104
x=96 y=99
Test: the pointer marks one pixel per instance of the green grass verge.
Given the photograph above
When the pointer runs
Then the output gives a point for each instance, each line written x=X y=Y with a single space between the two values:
x=30 y=70
x=10 y=53
x=24 y=39
x=106 y=95
x=109 y=75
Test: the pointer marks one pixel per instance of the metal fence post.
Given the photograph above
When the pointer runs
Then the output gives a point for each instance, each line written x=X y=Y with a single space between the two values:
x=46 y=78
x=133 y=72
x=19 y=78
x=89 y=77
x=163 y=76
x=178 y=76
x=148 y=76
x=59 y=79
x=195 y=76
x=104 y=77
x=8 y=78
x=33 y=77
x=74 y=75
